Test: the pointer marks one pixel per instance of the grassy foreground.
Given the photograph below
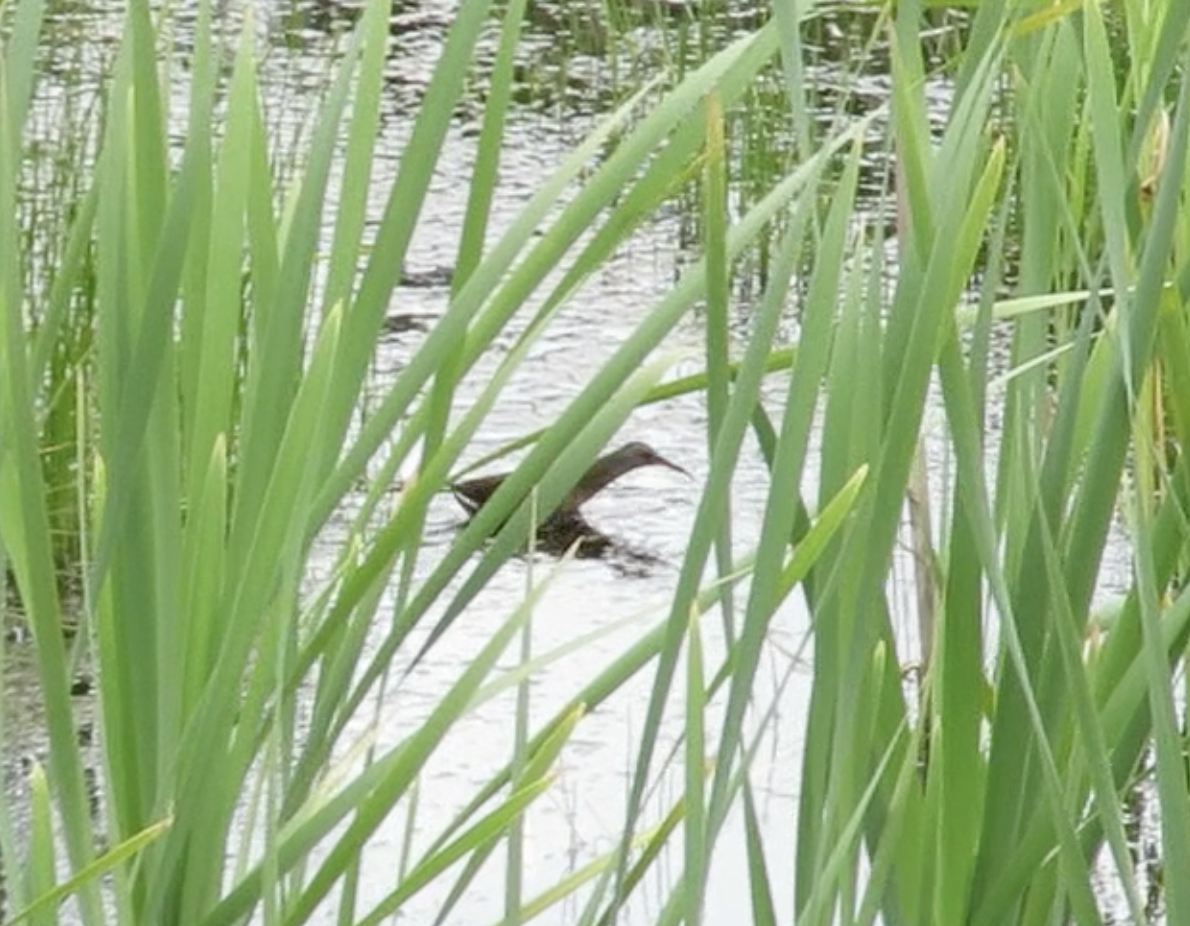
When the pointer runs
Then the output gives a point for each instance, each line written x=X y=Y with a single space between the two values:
x=216 y=434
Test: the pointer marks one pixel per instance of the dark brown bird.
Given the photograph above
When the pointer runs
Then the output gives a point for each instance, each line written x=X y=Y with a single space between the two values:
x=474 y=493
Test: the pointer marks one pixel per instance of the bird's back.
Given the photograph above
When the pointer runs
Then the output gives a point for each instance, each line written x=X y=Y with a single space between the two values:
x=473 y=494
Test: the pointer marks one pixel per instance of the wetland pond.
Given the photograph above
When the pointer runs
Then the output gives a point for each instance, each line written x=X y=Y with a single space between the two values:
x=572 y=67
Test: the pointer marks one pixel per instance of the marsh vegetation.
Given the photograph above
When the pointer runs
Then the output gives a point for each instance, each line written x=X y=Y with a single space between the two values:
x=919 y=333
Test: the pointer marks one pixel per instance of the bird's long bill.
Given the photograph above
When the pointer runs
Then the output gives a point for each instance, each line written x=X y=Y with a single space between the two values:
x=674 y=466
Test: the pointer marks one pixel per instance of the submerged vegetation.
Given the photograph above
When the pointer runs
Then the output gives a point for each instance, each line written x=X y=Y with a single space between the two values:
x=202 y=341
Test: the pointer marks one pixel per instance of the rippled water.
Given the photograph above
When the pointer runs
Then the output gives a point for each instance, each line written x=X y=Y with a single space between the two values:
x=609 y=604
x=650 y=510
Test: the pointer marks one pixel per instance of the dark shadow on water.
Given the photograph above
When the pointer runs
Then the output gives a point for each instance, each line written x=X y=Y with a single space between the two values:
x=565 y=535
x=407 y=322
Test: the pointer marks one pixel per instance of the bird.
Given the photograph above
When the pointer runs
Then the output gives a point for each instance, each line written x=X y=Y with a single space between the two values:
x=566 y=523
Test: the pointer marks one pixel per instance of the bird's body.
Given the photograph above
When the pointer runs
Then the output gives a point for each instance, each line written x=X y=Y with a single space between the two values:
x=473 y=493
x=566 y=521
